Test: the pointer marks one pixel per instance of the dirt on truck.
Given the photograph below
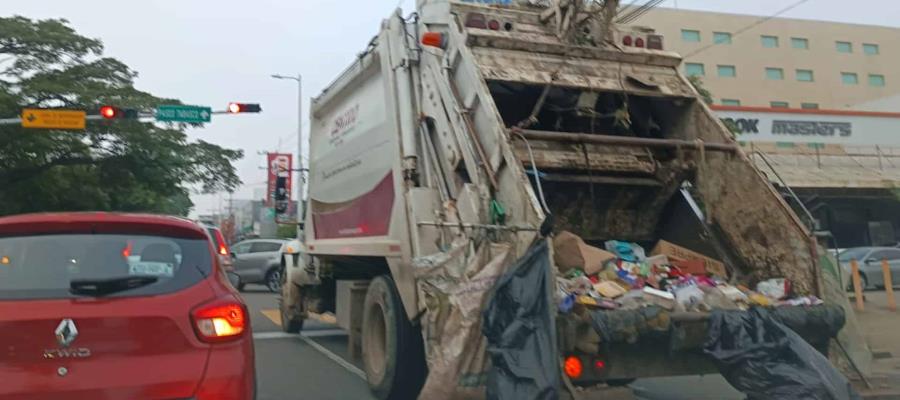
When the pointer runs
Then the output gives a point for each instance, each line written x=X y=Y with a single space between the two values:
x=525 y=198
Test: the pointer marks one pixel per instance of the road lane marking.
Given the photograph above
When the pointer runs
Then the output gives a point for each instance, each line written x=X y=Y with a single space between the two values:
x=334 y=357
x=272 y=315
x=275 y=316
x=284 y=335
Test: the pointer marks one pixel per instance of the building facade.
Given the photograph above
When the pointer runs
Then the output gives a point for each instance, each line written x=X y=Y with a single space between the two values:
x=788 y=63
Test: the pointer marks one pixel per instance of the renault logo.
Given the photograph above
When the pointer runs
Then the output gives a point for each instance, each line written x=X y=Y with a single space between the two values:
x=66 y=332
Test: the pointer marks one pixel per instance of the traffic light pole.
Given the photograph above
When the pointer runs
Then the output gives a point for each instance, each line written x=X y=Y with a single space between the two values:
x=301 y=180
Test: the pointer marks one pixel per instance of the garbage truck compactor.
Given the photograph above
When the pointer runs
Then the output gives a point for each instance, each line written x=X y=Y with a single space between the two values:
x=465 y=135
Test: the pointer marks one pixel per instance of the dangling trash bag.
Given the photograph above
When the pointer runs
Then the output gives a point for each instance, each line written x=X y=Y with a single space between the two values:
x=520 y=332
x=764 y=359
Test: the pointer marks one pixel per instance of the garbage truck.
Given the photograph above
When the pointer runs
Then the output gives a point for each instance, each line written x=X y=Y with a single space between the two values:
x=466 y=133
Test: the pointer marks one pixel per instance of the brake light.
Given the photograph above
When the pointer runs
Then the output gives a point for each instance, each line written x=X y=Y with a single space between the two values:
x=220 y=321
x=626 y=40
x=126 y=252
x=573 y=367
x=599 y=365
x=639 y=42
x=494 y=25
x=434 y=39
x=476 y=20
x=223 y=248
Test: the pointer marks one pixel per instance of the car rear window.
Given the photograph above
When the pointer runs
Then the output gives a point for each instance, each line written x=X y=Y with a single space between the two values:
x=43 y=267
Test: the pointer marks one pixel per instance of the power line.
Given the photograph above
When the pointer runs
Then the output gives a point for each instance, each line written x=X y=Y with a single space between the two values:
x=751 y=26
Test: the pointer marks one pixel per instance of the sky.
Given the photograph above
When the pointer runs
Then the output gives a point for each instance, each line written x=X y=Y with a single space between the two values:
x=209 y=53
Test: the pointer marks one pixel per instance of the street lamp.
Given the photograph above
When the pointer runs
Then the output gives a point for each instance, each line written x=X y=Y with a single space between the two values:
x=300 y=181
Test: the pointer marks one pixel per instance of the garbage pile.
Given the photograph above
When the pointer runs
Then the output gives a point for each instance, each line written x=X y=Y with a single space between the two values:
x=674 y=278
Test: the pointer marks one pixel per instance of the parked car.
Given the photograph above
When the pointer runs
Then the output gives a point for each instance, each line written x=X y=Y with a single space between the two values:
x=870 y=271
x=87 y=299
x=258 y=261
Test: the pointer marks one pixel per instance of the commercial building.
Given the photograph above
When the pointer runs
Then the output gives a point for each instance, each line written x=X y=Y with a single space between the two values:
x=782 y=62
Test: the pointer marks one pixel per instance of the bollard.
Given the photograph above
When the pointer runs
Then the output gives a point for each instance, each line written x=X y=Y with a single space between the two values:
x=857 y=286
x=888 y=285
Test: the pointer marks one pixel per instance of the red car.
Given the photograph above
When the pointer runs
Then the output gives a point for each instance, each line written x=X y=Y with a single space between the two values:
x=117 y=306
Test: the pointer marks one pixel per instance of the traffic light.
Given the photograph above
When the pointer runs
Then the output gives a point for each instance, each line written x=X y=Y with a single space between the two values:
x=235 y=108
x=113 y=112
x=282 y=197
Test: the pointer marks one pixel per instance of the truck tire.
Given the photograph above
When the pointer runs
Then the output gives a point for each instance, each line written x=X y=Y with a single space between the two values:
x=273 y=279
x=393 y=351
x=291 y=322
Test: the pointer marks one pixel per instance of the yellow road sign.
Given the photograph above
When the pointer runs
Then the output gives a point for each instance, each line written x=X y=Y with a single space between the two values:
x=52 y=119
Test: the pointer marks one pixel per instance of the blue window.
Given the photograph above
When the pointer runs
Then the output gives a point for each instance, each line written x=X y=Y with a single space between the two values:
x=844 y=47
x=876 y=80
x=849 y=78
x=800 y=43
x=779 y=104
x=694 y=69
x=871 y=49
x=689 y=35
x=775 y=74
x=770 y=42
x=727 y=71
x=731 y=102
x=804 y=75
x=721 y=38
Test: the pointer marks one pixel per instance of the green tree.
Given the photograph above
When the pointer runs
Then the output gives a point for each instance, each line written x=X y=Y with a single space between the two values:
x=697 y=82
x=122 y=165
x=287 y=231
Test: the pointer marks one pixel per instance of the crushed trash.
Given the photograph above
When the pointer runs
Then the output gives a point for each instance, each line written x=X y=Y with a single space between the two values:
x=671 y=277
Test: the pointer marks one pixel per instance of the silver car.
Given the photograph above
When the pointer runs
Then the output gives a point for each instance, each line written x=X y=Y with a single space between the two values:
x=869 y=259
x=258 y=261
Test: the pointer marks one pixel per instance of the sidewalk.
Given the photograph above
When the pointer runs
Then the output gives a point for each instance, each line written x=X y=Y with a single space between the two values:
x=881 y=328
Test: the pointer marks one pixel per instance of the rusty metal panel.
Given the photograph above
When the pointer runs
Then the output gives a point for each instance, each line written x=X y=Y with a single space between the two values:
x=542 y=69
x=572 y=156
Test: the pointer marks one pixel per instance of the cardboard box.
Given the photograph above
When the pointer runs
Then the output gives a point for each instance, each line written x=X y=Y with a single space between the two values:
x=570 y=251
x=676 y=252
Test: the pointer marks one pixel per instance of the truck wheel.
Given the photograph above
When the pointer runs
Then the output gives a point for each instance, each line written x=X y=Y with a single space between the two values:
x=291 y=322
x=393 y=351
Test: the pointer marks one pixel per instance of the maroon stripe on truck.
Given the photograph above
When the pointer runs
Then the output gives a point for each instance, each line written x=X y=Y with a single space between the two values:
x=367 y=215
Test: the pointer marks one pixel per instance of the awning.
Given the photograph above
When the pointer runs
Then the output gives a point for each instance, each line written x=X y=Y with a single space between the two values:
x=828 y=166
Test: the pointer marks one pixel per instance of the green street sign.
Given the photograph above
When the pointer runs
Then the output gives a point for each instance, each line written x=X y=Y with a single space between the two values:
x=189 y=114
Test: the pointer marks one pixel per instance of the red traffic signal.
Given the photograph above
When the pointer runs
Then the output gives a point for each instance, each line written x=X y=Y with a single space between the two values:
x=235 y=108
x=113 y=112
x=109 y=112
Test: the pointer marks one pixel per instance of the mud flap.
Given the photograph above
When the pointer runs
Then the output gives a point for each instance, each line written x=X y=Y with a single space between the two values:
x=521 y=333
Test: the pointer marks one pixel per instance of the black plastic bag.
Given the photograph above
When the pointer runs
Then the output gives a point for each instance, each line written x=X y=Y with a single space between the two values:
x=520 y=332
x=764 y=359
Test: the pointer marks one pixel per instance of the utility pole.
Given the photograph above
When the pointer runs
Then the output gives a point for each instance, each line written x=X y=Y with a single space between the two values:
x=301 y=180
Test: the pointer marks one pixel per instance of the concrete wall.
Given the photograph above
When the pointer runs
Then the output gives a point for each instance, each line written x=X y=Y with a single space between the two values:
x=751 y=59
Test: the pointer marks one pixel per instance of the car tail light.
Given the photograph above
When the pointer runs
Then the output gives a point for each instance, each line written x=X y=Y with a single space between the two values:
x=599 y=365
x=476 y=20
x=223 y=247
x=627 y=40
x=655 y=42
x=573 y=367
x=220 y=321
x=639 y=42
x=494 y=25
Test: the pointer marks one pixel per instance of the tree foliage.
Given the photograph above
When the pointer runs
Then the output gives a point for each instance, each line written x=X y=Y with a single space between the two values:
x=697 y=82
x=121 y=165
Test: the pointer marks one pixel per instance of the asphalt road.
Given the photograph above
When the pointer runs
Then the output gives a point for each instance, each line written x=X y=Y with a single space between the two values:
x=317 y=366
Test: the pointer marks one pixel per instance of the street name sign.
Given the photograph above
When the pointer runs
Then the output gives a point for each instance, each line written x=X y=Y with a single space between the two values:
x=179 y=113
x=38 y=118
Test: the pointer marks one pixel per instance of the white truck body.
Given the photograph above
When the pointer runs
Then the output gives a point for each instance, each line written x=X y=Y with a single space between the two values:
x=414 y=146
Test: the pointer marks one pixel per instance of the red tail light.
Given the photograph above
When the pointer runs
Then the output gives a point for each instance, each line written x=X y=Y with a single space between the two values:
x=223 y=247
x=573 y=367
x=475 y=20
x=626 y=40
x=494 y=25
x=639 y=42
x=599 y=365
x=220 y=321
